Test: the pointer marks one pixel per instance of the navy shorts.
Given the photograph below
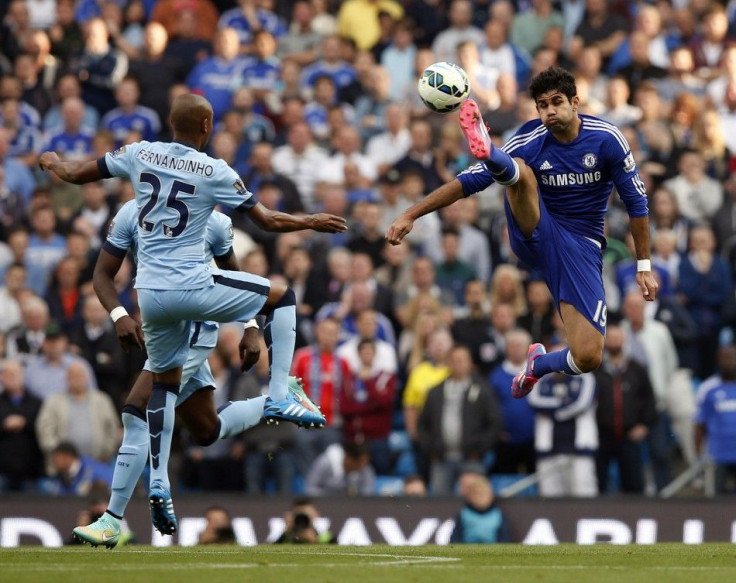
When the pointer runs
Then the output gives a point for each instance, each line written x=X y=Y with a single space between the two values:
x=572 y=264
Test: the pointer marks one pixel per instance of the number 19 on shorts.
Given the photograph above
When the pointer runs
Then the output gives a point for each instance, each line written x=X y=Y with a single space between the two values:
x=601 y=314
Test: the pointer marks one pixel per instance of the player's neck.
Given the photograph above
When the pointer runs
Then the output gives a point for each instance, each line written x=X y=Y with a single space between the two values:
x=570 y=133
x=189 y=141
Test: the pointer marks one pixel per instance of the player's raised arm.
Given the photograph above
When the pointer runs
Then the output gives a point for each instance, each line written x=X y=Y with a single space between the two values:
x=73 y=172
x=444 y=196
x=279 y=222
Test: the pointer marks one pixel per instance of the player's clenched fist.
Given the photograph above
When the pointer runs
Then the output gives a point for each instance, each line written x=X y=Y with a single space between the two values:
x=648 y=285
x=399 y=229
x=47 y=159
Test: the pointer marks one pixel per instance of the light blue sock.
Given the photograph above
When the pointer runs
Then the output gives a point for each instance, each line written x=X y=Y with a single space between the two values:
x=131 y=460
x=237 y=416
x=161 y=412
x=280 y=336
x=503 y=167
x=559 y=361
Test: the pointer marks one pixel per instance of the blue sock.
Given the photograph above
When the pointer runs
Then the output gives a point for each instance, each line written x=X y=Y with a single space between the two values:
x=559 y=361
x=161 y=412
x=280 y=335
x=237 y=416
x=132 y=457
x=503 y=167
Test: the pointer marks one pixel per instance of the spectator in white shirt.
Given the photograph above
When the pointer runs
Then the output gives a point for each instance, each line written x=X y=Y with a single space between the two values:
x=390 y=146
x=348 y=149
x=301 y=160
x=460 y=29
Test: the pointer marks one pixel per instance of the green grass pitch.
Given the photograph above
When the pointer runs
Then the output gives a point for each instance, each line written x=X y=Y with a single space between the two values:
x=668 y=563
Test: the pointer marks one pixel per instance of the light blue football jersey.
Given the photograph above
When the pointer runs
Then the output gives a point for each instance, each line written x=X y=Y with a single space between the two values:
x=122 y=237
x=176 y=190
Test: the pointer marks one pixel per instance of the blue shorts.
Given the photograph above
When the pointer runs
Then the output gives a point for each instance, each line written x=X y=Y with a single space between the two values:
x=167 y=315
x=196 y=374
x=572 y=264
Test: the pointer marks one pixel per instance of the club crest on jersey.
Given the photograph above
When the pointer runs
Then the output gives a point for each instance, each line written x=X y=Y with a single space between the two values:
x=629 y=163
x=118 y=152
x=240 y=187
x=590 y=160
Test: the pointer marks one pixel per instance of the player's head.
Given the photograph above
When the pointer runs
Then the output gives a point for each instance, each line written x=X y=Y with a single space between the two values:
x=727 y=361
x=556 y=97
x=191 y=119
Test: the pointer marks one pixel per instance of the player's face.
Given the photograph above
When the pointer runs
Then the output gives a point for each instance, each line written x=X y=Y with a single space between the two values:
x=556 y=111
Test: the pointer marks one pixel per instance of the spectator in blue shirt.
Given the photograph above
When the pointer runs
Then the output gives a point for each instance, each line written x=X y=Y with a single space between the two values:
x=480 y=520
x=247 y=18
x=716 y=419
x=330 y=64
x=18 y=178
x=217 y=77
x=263 y=71
x=76 y=475
x=26 y=139
x=515 y=449
x=72 y=141
x=129 y=116
x=99 y=67
x=68 y=86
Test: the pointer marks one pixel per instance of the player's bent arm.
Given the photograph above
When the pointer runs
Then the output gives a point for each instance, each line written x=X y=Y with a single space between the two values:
x=229 y=261
x=103 y=279
x=73 y=172
x=128 y=331
x=640 y=232
x=444 y=196
x=279 y=222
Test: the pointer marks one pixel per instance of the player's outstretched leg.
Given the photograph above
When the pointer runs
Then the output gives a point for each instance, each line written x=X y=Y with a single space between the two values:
x=280 y=335
x=238 y=416
x=502 y=166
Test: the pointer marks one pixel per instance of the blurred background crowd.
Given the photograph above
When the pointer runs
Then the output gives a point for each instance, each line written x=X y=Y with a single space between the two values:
x=408 y=350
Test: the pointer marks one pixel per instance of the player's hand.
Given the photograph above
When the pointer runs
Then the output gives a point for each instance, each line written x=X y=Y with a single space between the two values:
x=648 y=285
x=129 y=333
x=250 y=349
x=399 y=229
x=325 y=223
x=48 y=158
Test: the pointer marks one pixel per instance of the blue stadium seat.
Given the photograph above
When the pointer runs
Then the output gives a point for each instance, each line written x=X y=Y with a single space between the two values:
x=388 y=486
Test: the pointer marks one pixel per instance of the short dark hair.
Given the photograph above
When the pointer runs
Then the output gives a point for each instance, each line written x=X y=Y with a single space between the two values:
x=355 y=450
x=553 y=79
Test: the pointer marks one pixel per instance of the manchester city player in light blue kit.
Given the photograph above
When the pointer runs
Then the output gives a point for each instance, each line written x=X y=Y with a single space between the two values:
x=176 y=189
x=559 y=172
x=195 y=403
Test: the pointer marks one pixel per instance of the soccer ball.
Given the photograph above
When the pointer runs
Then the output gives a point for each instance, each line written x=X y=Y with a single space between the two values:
x=443 y=87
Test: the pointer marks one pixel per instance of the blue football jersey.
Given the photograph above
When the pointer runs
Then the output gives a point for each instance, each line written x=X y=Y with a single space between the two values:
x=575 y=179
x=142 y=119
x=176 y=190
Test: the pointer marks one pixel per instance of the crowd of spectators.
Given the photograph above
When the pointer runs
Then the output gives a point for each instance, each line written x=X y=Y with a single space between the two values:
x=409 y=350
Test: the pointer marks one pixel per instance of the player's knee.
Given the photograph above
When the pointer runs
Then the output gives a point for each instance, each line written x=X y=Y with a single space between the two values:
x=587 y=360
x=206 y=434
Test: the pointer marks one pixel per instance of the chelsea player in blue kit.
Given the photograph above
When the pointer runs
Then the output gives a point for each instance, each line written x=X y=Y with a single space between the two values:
x=176 y=189
x=559 y=172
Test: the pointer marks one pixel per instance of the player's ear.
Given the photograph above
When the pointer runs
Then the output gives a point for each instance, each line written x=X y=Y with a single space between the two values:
x=575 y=103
